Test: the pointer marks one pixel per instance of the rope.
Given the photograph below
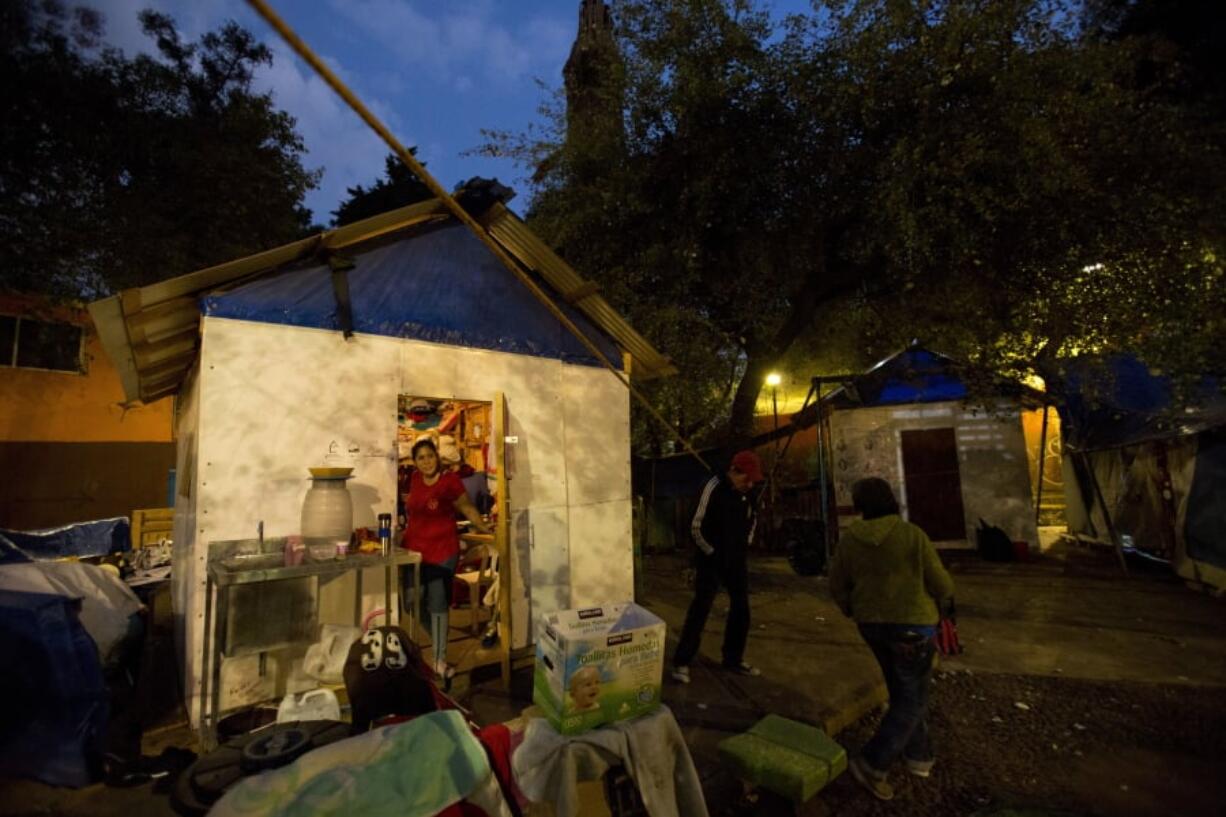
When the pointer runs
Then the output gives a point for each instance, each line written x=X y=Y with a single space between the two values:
x=304 y=51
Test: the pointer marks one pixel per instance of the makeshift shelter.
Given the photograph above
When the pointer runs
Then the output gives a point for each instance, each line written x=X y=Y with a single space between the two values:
x=1143 y=471
x=299 y=356
x=951 y=463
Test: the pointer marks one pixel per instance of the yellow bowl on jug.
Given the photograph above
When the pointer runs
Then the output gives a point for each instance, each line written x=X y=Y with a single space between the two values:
x=330 y=473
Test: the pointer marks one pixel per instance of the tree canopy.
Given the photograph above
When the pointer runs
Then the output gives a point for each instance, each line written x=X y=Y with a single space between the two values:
x=119 y=170
x=1017 y=181
x=399 y=187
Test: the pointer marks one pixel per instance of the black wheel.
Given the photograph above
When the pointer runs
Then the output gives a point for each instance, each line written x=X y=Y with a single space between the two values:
x=275 y=747
x=183 y=798
x=203 y=783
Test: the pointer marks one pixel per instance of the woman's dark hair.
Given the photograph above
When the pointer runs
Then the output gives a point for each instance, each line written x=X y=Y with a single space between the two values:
x=873 y=498
x=424 y=441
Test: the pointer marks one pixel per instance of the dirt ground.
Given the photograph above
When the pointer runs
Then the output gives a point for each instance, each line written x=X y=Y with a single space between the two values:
x=1082 y=747
x=1123 y=680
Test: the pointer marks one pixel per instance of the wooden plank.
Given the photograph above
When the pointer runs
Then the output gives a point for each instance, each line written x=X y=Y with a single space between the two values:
x=150 y=355
x=515 y=236
x=164 y=320
x=584 y=290
x=107 y=315
x=384 y=223
x=150 y=524
x=502 y=535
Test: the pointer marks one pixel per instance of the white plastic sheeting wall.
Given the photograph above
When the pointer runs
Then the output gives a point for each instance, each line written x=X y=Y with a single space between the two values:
x=274 y=400
x=992 y=462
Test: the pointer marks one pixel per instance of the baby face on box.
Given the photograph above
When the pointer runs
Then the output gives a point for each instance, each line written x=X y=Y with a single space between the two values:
x=598 y=665
x=584 y=690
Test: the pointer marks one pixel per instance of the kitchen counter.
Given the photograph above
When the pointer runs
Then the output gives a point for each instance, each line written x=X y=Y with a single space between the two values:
x=246 y=572
x=246 y=568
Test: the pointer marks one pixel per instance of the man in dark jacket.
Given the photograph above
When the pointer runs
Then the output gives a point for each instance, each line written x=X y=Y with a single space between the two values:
x=723 y=527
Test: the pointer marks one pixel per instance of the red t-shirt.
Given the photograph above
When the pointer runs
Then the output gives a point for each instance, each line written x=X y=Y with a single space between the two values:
x=431 y=527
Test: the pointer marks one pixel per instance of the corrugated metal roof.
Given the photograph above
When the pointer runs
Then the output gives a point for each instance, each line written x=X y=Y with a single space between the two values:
x=152 y=333
x=523 y=244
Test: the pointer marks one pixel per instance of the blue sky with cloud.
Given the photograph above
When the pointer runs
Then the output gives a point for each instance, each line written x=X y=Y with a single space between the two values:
x=435 y=72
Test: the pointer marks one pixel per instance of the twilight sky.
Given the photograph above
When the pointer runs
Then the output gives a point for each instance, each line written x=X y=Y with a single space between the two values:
x=435 y=72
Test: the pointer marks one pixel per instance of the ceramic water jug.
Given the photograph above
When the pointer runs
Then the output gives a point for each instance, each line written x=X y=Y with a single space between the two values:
x=327 y=511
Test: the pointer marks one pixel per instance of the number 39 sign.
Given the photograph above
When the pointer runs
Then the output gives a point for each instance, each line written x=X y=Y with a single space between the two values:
x=383 y=648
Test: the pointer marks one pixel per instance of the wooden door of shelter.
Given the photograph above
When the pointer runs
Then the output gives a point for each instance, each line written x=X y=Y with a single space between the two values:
x=934 y=483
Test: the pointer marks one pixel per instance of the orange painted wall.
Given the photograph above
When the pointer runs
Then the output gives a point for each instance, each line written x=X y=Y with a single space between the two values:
x=1053 y=466
x=39 y=406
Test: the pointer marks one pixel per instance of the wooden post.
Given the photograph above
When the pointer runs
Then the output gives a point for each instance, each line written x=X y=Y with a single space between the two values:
x=502 y=535
x=1038 y=500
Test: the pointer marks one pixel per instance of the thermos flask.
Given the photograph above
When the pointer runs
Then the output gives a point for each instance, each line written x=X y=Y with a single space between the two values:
x=385 y=532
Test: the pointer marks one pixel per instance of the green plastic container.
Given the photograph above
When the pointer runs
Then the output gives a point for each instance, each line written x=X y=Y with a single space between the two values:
x=791 y=759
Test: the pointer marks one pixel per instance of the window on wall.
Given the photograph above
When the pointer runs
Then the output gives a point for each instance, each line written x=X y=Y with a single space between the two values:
x=32 y=344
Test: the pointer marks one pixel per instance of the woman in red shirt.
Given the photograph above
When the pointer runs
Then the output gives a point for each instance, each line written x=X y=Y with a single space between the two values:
x=432 y=501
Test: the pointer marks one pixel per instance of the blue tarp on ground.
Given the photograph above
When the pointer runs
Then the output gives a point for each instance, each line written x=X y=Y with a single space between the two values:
x=96 y=538
x=441 y=285
x=53 y=701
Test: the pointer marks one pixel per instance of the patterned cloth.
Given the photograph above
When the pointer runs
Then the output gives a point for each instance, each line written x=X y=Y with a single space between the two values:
x=413 y=769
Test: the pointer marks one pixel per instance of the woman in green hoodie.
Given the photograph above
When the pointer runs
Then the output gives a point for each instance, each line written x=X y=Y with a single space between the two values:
x=885 y=575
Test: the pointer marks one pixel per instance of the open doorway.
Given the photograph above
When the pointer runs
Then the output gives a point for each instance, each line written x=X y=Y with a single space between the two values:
x=461 y=431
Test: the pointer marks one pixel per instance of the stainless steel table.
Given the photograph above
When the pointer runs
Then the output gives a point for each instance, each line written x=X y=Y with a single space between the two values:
x=226 y=572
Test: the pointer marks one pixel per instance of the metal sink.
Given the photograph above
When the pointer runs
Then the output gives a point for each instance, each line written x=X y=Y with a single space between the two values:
x=252 y=561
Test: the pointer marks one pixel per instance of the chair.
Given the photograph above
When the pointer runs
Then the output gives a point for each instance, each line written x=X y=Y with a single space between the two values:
x=475 y=572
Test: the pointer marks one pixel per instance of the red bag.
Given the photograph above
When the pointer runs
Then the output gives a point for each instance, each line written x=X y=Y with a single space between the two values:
x=947 y=633
x=947 y=637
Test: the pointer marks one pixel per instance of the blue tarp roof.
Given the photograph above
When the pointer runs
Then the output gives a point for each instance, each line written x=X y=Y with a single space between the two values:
x=441 y=285
x=914 y=375
x=1117 y=402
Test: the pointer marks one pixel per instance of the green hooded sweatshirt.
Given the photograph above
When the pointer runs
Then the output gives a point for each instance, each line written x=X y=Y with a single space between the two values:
x=886 y=571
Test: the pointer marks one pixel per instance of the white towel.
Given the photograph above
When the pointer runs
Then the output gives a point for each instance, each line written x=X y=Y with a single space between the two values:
x=548 y=766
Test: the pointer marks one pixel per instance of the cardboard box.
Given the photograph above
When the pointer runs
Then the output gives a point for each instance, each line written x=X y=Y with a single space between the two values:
x=598 y=665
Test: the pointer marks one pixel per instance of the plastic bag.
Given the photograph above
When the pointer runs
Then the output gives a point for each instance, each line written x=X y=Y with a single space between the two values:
x=325 y=660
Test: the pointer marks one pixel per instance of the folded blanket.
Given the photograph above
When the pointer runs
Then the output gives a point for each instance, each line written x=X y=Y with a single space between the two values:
x=548 y=766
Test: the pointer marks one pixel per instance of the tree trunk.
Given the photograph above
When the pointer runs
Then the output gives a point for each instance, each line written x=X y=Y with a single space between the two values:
x=740 y=424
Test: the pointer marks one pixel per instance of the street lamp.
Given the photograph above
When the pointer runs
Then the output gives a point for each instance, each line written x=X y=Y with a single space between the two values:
x=773 y=380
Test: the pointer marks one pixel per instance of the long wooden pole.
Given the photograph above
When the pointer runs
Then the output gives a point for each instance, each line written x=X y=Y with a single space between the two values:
x=1038 y=500
x=1098 y=492
x=304 y=51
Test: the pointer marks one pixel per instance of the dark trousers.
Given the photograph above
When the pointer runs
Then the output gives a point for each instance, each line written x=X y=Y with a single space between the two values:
x=712 y=572
x=906 y=659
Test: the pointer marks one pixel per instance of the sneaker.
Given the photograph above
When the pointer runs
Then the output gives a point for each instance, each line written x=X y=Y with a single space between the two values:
x=869 y=779
x=681 y=675
x=743 y=669
x=444 y=670
x=920 y=768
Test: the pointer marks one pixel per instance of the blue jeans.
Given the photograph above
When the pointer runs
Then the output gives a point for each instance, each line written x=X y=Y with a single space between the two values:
x=435 y=605
x=905 y=654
